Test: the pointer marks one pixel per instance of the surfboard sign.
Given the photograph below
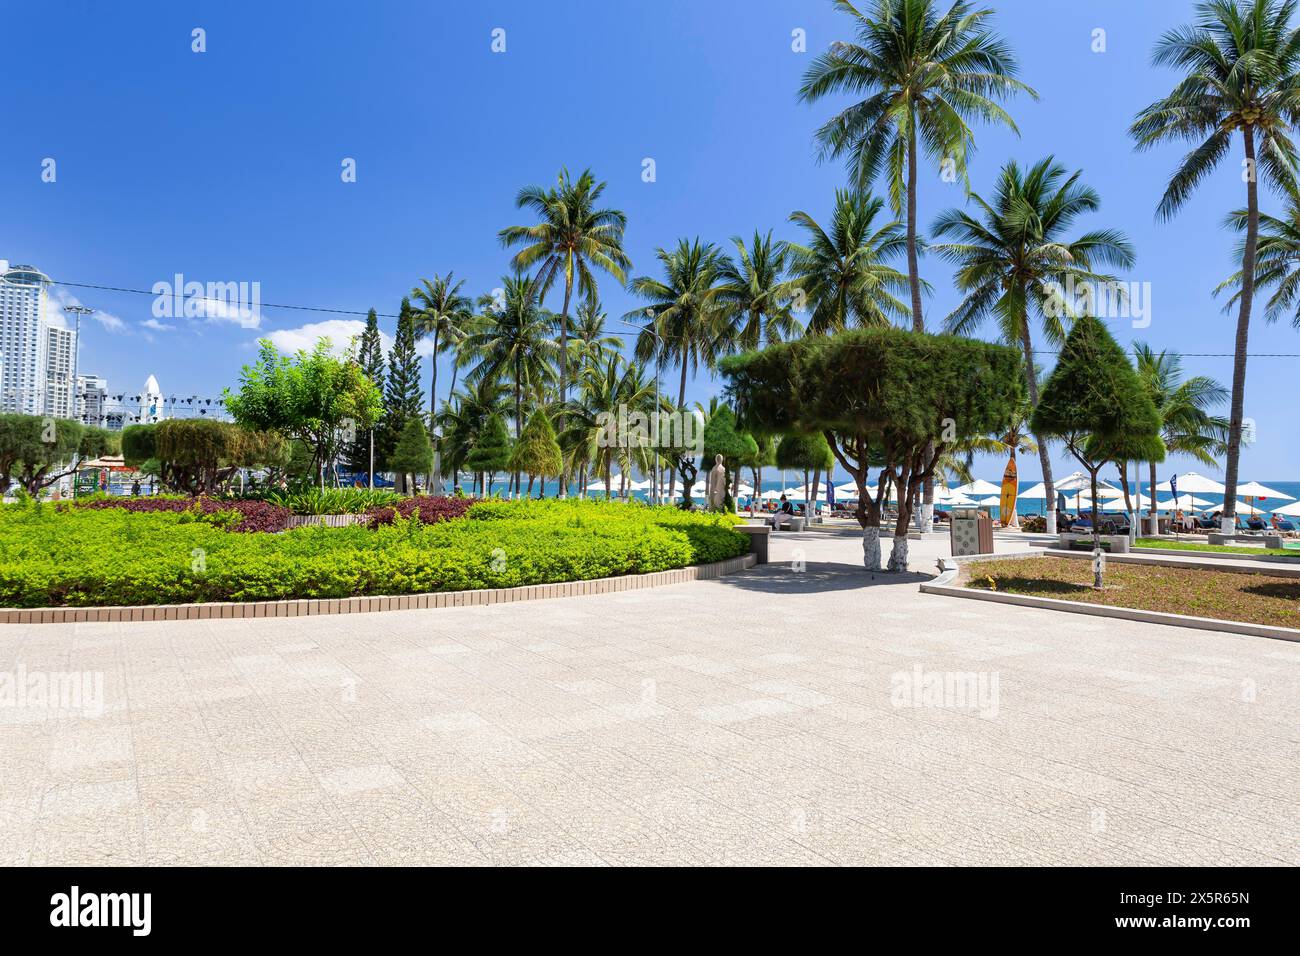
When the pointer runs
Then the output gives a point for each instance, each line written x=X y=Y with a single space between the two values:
x=1010 y=491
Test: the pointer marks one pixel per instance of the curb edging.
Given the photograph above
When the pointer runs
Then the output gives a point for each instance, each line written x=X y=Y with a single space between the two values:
x=232 y=610
x=942 y=585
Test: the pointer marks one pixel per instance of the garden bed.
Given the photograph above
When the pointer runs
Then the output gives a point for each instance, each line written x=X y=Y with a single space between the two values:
x=1248 y=598
x=85 y=557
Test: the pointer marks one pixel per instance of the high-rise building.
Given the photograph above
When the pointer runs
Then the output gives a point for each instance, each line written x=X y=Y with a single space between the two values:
x=37 y=352
x=92 y=399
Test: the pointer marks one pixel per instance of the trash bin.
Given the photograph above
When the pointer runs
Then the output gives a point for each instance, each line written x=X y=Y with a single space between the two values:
x=971 y=532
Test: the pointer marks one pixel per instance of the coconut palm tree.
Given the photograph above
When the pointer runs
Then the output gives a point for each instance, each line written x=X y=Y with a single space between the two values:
x=589 y=344
x=515 y=345
x=842 y=274
x=462 y=417
x=445 y=314
x=1012 y=261
x=573 y=236
x=1277 y=261
x=757 y=292
x=925 y=74
x=1186 y=425
x=685 y=321
x=1239 y=60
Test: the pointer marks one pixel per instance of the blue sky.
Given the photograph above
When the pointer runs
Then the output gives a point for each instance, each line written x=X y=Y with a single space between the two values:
x=225 y=165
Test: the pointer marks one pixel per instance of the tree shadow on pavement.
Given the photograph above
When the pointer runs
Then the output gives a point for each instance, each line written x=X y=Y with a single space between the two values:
x=816 y=576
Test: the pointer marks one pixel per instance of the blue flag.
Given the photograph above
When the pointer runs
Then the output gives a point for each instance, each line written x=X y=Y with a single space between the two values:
x=1173 y=486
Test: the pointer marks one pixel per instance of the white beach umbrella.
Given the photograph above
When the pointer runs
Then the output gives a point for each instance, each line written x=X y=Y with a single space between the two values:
x=1245 y=507
x=1290 y=511
x=1185 y=502
x=992 y=501
x=1253 y=489
x=642 y=485
x=1081 y=481
x=979 y=487
x=849 y=490
x=1190 y=483
x=1034 y=491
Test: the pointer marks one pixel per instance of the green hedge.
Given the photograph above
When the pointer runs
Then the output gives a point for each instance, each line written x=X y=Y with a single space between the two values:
x=77 y=557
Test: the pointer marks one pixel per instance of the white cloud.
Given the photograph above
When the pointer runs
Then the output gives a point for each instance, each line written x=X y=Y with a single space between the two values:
x=340 y=332
x=59 y=299
x=157 y=326
x=247 y=316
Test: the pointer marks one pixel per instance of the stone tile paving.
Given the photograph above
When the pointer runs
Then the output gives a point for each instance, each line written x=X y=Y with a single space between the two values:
x=751 y=719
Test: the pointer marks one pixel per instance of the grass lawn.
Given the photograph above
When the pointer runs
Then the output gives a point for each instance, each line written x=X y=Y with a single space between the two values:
x=1252 y=598
x=1167 y=545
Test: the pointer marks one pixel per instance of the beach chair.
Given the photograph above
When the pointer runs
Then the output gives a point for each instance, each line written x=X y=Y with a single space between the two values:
x=1257 y=523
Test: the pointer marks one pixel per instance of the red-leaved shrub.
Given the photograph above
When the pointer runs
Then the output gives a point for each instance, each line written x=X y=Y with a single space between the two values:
x=430 y=509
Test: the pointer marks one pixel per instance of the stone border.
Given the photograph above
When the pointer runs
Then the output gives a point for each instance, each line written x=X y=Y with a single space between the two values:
x=229 y=610
x=943 y=585
x=1222 y=555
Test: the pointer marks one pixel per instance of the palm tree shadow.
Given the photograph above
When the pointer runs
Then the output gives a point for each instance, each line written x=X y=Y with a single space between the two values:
x=815 y=577
x=1287 y=591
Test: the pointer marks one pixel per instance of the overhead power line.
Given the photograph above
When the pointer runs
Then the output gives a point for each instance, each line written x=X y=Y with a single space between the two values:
x=616 y=334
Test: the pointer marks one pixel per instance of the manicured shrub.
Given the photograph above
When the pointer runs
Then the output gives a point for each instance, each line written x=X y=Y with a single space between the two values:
x=332 y=501
x=253 y=515
x=87 y=556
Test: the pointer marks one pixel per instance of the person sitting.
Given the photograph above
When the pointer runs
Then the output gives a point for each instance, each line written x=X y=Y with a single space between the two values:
x=1256 y=523
x=783 y=514
x=1285 y=525
x=1206 y=523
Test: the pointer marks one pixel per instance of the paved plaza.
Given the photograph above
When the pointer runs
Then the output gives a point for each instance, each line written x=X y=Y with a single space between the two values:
x=775 y=716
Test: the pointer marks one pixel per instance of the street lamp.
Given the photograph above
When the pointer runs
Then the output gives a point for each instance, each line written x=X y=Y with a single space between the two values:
x=79 y=311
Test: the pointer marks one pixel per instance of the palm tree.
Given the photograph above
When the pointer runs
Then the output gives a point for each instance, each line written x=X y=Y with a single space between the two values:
x=684 y=321
x=589 y=344
x=461 y=419
x=1277 y=261
x=757 y=293
x=1239 y=62
x=445 y=314
x=925 y=74
x=1012 y=260
x=1186 y=425
x=514 y=345
x=571 y=237
x=842 y=273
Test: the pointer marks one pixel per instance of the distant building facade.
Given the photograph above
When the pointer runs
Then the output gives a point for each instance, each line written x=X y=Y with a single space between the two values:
x=37 y=352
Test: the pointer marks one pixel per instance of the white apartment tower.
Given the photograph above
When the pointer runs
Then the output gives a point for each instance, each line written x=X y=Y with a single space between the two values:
x=37 y=353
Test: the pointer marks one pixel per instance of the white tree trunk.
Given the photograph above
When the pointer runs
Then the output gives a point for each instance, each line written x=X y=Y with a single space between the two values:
x=927 y=517
x=898 y=556
x=1228 y=525
x=871 y=547
x=1051 y=521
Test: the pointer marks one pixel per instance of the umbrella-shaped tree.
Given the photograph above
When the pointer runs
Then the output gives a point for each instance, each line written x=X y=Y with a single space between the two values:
x=880 y=395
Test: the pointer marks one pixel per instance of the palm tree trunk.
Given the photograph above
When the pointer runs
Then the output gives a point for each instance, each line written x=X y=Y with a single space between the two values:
x=681 y=402
x=518 y=423
x=1096 y=534
x=564 y=368
x=1151 y=490
x=918 y=320
x=1044 y=456
x=433 y=400
x=1228 y=521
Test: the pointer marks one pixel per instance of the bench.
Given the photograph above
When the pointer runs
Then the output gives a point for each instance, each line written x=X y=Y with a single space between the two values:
x=1114 y=543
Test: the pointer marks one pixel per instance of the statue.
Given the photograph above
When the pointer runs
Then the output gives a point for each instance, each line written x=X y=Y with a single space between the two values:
x=716 y=489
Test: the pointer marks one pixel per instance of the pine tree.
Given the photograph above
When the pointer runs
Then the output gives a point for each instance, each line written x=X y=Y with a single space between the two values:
x=370 y=356
x=402 y=393
x=537 y=453
x=491 y=452
x=413 y=454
